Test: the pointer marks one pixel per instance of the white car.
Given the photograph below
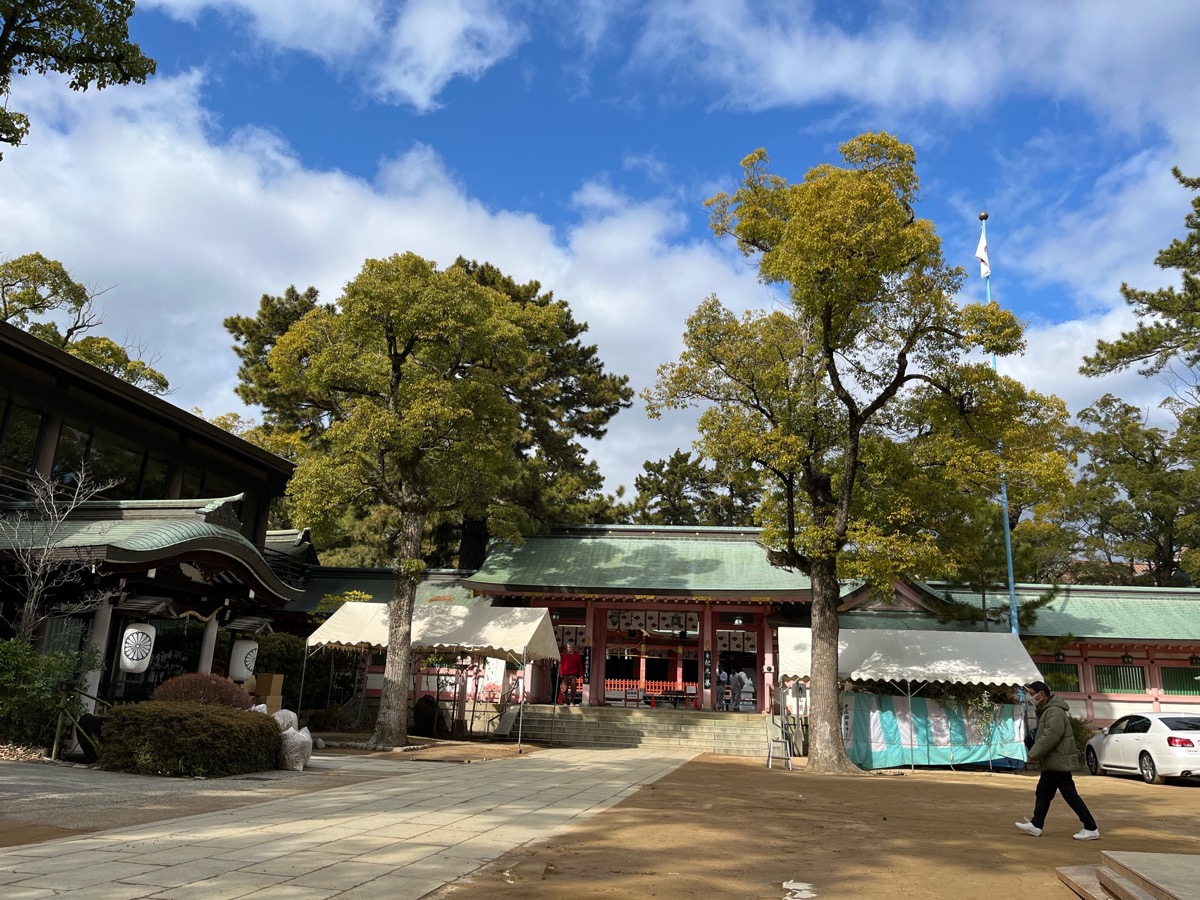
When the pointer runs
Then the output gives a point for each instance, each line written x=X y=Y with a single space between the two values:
x=1157 y=745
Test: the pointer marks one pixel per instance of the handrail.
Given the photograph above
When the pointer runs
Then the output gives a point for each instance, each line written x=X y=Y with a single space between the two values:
x=64 y=711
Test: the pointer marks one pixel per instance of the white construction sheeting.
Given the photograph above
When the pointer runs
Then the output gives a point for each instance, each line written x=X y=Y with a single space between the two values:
x=958 y=657
x=519 y=634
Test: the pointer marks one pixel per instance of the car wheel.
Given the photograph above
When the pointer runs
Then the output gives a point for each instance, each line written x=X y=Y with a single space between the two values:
x=1093 y=763
x=1149 y=770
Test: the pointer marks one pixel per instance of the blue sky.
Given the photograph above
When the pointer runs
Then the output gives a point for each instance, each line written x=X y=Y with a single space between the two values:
x=575 y=143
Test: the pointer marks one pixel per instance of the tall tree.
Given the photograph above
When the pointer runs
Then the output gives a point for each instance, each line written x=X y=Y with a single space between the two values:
x=806 y=394
x=87 y=40
x=680 y=490
x=1168 y=329
x=1138 y=490
x=291 y=409
x=417 y=363
x=564 y=397
x=672 y=491
x=35 y=291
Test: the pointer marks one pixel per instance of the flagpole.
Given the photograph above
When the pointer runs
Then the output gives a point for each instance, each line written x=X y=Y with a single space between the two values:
x=985 y=269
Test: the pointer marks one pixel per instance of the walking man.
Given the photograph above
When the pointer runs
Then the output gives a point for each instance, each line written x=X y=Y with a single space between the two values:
x=1055 y=749
x=570 y=667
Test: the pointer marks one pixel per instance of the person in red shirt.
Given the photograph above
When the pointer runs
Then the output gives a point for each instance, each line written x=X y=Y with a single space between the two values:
x=570 y=667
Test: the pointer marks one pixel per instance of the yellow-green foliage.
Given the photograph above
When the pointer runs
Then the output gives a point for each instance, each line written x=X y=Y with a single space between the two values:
x=188 y=739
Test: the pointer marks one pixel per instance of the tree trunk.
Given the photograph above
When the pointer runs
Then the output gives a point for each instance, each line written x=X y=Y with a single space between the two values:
x=473 y=543
x=391 y=728
x=827 y=752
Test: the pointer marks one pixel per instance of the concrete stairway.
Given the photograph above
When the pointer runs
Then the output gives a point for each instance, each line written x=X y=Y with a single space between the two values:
x=1124 y=875
x=726 y=733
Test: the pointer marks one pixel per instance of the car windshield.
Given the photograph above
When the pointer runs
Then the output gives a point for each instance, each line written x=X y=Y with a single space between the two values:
x=1181 y=723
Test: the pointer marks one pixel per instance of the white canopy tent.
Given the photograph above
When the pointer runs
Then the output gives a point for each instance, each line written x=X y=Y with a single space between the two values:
x=882 y=731
x=515 y=634
x=958 y=657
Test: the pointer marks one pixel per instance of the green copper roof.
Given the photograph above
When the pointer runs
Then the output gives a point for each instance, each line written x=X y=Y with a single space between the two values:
x=143 y=533
x=1085 y=611
x=438 y=586
x=640 y=561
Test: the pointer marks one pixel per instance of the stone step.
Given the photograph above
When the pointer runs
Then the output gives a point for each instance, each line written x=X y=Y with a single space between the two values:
x=1165 y=876
x=1119 y=887
x=728 y=734
x=1084 y=881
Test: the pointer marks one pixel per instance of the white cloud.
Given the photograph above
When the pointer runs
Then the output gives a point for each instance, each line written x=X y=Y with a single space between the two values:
x=333 y=32
x=435 y=41
x=956 y=56
x=127 y=189
x=405 y=55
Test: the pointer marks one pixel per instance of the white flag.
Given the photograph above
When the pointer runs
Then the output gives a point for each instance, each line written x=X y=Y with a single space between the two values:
x=985 y=268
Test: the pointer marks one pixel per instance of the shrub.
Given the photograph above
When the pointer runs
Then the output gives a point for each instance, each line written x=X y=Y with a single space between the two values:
x=428 y=720
x=201 y=687
x=32 y=688
x=1084 y=731
x=183 y=738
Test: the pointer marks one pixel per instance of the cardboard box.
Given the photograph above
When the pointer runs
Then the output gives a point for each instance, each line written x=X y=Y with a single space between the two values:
x=266 y=684
x=274 y=702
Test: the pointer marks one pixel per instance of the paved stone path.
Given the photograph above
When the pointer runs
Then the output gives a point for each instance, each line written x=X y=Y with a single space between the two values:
x=417 y=827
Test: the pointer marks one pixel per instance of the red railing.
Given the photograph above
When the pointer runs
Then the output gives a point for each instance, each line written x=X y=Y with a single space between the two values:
x=618 y=685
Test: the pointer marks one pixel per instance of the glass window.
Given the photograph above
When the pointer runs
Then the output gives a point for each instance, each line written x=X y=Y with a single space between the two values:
x=1138 y=725
x=19 y=438
x=1181 y=680
x=1182 y=723
x=113 y=459
x=72 y=450
x=1120 y=679
x=1119 y=726
x=193 y=483
x=63 y=634
x=218 y=486
x=155 y=478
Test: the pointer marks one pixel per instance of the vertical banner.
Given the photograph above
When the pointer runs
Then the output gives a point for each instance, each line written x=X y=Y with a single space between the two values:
x=707 y=669
x=587 y=665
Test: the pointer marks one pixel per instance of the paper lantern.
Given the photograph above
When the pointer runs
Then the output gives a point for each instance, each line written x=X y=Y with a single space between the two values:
x=241 y=661
x=136 y=646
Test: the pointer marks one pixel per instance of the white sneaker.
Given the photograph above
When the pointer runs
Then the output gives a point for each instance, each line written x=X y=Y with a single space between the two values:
x=1085 y=835
x=1030 y=828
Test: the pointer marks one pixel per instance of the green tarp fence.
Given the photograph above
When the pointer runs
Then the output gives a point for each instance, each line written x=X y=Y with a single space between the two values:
x=883 y=732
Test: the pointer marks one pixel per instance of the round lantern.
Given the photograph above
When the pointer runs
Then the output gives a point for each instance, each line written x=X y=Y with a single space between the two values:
x=136 y=646
x=241 y=661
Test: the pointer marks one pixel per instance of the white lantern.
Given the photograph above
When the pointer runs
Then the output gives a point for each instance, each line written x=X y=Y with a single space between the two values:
x=241 y=661
x=136 y=646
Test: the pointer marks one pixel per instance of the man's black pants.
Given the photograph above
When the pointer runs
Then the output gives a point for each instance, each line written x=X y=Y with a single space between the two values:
x=1061 y=782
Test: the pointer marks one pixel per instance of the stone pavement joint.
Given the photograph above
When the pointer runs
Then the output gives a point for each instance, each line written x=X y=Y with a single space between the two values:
x=419 y=826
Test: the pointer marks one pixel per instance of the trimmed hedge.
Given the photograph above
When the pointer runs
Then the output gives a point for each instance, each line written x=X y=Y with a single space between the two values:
x=203 y=687
x=183 y=738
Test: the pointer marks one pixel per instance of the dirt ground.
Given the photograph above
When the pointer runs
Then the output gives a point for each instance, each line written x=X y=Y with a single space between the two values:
x=725 y=827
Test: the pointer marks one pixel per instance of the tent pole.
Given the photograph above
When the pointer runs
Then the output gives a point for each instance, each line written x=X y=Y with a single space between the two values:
x=303 y=669
x=521 y=709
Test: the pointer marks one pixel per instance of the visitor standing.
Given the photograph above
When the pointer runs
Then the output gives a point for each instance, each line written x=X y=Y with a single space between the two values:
x=740 y=682
x=570 y=667
x=1056 y=751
